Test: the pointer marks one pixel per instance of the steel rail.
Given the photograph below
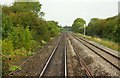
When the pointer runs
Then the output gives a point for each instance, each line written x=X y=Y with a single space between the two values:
x=65 y=58
x=11 y=73
x=86 y=68
x=100 y=48
x=49 y=59
x=117 y=67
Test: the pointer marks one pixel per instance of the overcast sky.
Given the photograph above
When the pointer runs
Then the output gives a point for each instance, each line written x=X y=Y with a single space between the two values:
x=66 y=11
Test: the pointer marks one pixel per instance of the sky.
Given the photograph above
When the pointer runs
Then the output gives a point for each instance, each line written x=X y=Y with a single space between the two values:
x=66 y=11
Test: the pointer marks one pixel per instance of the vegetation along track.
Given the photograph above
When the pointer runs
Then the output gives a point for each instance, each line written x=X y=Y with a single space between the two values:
x=106 y=55
x=57 y=61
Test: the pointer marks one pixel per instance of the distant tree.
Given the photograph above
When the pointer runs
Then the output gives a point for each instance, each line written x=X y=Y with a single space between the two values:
x=78 y=24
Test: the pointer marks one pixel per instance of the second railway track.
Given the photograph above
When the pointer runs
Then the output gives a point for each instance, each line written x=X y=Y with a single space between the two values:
x=112 y=59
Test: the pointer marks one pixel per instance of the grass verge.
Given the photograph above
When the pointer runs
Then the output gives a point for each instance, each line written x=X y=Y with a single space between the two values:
x=107 y=43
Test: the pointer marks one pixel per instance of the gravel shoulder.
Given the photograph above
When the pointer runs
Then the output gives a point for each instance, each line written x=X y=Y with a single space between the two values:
x=74 y=68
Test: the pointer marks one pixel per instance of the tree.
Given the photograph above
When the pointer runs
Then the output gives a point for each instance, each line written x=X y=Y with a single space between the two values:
x=104 y=28
x=78 y=24
x=53 y=28
x=24 y=32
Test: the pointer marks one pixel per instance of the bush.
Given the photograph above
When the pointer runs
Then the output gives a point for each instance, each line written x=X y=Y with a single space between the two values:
x=7 y=47
x=7 y=52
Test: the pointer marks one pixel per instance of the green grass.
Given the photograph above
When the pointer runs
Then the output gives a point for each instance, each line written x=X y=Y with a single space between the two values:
x=107 y=43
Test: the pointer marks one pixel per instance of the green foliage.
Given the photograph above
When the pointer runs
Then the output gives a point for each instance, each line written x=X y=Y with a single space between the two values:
x=6 y=26
x=26 y=38
x=24 y=31
x=78 y=24
x=117 y=32
x=13 y=68
x=23 y=7
x=21 y=37
x=103 y=28
x=53 y=28
x=7 y=47
x=7 y=52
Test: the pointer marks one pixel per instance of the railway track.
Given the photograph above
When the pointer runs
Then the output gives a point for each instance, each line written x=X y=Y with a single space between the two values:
x=84 y=66
x=53 y=63
x=60 y=69
x=56 y=64
x=106 y=55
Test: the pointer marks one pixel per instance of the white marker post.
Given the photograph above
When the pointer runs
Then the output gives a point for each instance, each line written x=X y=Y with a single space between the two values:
x=84 y=29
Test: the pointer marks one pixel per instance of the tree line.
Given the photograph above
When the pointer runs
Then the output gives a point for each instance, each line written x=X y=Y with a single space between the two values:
x=24 y=31
x=108 y=28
